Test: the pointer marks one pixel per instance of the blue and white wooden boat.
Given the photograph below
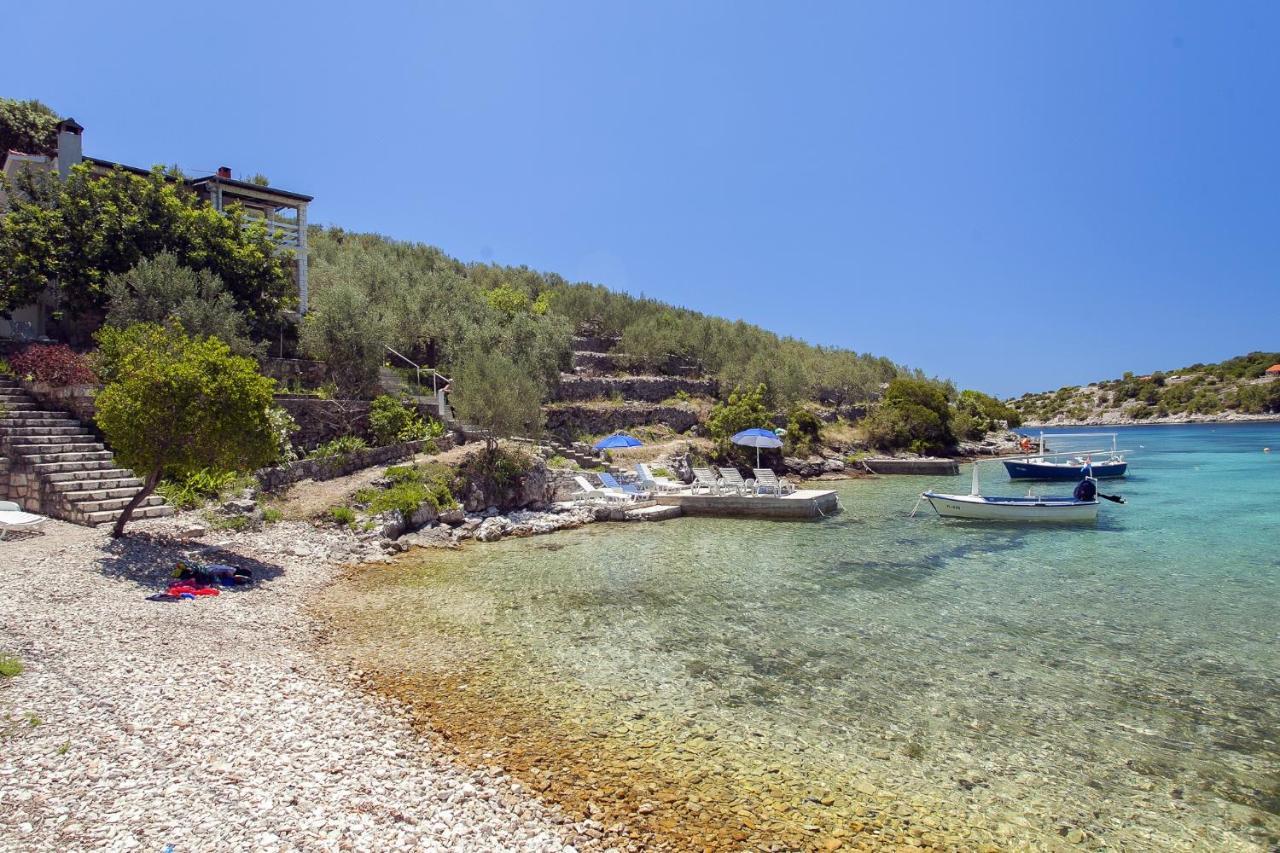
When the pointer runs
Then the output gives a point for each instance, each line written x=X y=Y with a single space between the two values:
x=1028 y=508
x=1070 y=464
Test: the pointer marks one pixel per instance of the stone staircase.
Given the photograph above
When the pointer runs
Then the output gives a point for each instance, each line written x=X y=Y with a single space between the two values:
x=56 y=467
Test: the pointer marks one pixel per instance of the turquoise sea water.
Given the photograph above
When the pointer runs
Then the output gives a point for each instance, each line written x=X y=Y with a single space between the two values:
x=1115 y=685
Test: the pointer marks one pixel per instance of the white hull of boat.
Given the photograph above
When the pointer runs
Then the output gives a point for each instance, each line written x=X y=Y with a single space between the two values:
x=983 y=508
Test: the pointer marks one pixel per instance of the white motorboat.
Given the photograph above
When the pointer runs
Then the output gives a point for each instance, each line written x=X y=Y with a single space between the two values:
x=1030 y=507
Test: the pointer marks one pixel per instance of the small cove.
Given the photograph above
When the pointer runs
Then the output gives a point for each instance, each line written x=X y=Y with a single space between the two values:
x=721 y=683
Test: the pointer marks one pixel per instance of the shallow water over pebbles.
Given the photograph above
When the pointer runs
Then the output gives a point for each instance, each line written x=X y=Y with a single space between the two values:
x=719 y=683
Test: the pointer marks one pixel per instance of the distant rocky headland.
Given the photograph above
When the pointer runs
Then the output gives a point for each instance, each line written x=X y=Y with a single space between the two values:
x=1245 y=388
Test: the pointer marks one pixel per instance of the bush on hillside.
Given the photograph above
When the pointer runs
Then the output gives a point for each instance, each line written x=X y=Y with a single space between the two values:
x=804 y=432
x=160 y=290
x=392 y=420
x=743 y=410
x=915 y=414
x=342 y=330
x=56 y=364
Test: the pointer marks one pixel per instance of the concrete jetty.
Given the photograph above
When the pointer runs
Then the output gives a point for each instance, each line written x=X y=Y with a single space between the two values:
x=803 y=503
x=935 y=467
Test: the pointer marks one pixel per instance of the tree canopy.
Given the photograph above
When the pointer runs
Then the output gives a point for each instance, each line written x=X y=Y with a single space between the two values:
x=175 y=405
x=159 y=290
x=83 y=230
x=27 y=126
x=493 y=393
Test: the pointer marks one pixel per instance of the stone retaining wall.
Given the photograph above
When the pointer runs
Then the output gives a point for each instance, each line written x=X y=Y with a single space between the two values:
x=76 y=399
x=648 y=389
x=567 y=421
x=320 y=421
x=295 y=371
x=275 y=479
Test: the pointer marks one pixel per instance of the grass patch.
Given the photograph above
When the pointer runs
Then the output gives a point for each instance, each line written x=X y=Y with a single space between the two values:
x=64 y=748
x=271 y=515
x=342 y=515
x=339 y=448
x=558 y=461
x=228 y=522
x=198 y=488
x=10 y=666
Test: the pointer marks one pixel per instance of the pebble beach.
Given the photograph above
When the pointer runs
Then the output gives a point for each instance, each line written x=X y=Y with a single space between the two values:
x=209 y=724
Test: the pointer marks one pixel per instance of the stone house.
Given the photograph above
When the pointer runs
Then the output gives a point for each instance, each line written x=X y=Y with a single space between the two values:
x=283 y=211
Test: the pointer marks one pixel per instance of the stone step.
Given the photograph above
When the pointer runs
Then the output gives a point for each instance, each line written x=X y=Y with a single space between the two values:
x=109 y=516
x=92 y=506
x=34 y=415
x=18 y=406
x=71 y=467
x=95 y=483
x=37 y=459
x=101 y=493
x=32 y=431
x=49 y=444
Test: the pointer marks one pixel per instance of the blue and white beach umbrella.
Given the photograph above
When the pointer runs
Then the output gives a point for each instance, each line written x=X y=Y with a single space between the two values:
x=617 y=440
x=757 y=438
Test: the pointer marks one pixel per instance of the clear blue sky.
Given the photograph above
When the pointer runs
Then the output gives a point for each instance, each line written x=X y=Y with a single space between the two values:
x=1014 y=195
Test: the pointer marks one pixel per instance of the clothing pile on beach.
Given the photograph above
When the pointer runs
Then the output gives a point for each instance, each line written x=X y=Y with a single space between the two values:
x=193 y=580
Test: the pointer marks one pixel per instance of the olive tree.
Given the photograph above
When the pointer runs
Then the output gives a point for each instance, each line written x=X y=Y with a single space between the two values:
x=176 y=404
x=494 y=393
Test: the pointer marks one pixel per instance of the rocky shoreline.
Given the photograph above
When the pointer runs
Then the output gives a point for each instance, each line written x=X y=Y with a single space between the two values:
x=1170 y=420
x=212 y=724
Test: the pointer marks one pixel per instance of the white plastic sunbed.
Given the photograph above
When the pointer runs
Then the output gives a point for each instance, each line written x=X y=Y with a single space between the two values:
x=732 y=479
x=767 y=481
x=13 y=518
x=656 y=484
x=705 y=478
x=590 y=491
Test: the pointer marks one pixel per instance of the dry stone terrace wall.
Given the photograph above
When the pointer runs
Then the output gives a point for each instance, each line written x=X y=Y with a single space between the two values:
x=295 y=371
x=275 y=479
x=647 y=389
x=320 y=421
x=568 y=420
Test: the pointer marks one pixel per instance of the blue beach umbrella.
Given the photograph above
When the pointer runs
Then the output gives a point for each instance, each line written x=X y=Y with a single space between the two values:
x=757 y=438
x=618 y=439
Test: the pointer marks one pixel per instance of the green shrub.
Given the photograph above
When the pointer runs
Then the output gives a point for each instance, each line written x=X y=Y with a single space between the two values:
x=338 y=448
x=804 y=431
x=10 y=666
x=914 y=414
x=343 y=515
x=271 y=515
x=558 y=461
x=197 y=488
x=393 y=421
x=743 y=410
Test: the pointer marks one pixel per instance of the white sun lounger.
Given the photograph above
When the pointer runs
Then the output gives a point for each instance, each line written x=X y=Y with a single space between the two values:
x=656 y=484
x=732 y=479
x=13 y=518
x=707 y=479
x=589 y=491
x=767 y=481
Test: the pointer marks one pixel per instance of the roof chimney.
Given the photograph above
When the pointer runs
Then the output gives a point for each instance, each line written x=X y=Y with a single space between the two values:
x=224 y=172
x=70 y=151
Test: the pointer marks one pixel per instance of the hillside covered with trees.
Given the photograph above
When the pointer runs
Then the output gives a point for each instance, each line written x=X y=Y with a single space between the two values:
x=126 y=249
x=1237 y=386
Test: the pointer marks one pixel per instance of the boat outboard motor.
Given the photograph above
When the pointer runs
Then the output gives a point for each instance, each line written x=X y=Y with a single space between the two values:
x=1086 y=490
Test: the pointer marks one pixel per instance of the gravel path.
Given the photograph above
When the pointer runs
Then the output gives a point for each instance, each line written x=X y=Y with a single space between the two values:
x=207 y=724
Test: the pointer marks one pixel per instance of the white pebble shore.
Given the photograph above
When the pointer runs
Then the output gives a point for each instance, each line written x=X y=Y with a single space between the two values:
x=208 y=724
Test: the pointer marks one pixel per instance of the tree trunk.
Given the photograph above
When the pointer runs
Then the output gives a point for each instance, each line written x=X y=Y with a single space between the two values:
x=148 y=486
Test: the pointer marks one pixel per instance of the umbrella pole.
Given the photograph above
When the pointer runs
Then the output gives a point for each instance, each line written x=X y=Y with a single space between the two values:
x=757 y=457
